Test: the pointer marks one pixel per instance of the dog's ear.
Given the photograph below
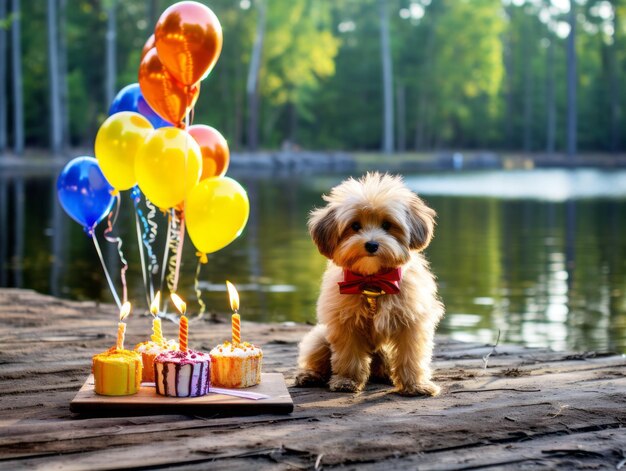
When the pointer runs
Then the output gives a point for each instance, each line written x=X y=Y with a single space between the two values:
x=421 y=223
x=323 y=230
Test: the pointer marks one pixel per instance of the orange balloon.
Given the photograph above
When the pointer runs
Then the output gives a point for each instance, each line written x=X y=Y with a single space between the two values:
x=170 y=99
x=147 y=46
x=214 y=148
x=188 y=37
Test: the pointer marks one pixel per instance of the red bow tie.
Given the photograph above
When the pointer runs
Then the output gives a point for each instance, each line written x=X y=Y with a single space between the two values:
x=387 y=281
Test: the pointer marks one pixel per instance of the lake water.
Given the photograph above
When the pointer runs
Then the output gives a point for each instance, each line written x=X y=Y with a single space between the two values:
x=537 y=255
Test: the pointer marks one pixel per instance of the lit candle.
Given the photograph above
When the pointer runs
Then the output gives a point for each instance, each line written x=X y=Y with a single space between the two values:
x=183 y=327
x=157 y=332
x=235 y=318
x=121 y=325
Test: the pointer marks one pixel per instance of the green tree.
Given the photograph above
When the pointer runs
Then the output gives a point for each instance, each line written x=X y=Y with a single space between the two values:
x=298 y=54
x=468 y=70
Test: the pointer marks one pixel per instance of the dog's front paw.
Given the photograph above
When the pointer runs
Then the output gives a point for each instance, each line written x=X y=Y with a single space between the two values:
x=425 y=388
x=342 y=384
x=306 y=378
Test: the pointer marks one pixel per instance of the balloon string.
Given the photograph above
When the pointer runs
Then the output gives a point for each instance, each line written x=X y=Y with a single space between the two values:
x=173 y=246
x=164 y=265
x=146 y=239
x=106 y=272
x=111 y=220
x=196 y=286
x=154 y=265
x=179 y=249
x=166 y=251
x=143 y=262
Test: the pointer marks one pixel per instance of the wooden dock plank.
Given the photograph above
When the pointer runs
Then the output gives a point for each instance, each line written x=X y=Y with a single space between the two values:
x=519 y=409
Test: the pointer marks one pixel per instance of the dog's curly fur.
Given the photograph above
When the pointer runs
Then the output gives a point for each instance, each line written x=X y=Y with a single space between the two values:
x=350 y=344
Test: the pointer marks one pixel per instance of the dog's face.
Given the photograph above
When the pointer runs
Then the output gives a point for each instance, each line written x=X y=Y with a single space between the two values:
x=371 y=223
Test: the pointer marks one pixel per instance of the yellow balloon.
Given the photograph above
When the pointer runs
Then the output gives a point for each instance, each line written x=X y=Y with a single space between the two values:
x=168 y=166
x=117 y=143
x=216 y=212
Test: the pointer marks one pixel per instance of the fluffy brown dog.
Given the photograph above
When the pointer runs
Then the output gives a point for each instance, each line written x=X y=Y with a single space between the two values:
x=369 y=229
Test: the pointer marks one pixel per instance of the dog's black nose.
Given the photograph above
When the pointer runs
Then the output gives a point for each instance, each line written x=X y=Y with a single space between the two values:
x=371 y=246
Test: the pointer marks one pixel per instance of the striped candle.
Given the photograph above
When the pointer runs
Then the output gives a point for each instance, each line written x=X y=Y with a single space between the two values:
x=183 y=333
x=157 y=332
x=233 y=296
x=121 y=331
x=183 y=326
x=121 y=325
x=236 y=325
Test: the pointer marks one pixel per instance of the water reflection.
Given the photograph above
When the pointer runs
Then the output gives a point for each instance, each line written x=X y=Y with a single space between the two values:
x=543 y=272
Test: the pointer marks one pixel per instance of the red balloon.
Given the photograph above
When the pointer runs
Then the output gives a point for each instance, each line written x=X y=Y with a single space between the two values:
x=188 y=37
x=170 y=99
x=214 y=148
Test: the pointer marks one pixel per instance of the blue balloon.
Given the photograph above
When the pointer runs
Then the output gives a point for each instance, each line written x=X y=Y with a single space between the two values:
x=84 y=193
x=130 y=98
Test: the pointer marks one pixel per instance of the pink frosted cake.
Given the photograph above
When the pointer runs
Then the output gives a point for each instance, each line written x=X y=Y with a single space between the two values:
x=182 y=374
x=236 y=365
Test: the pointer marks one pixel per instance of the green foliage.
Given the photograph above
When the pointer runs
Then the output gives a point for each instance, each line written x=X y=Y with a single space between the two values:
x=474 y=73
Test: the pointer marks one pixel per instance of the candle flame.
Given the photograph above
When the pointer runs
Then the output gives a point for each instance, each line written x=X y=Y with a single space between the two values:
x=125 y=311
x=179 y=303
x=233 y=295
x=156 y=302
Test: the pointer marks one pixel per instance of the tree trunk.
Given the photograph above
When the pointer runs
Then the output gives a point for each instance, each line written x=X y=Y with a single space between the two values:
x=153 y=14
x=18 y=97
x=239 y=107
x=56 y=128
x=111 y=71
x=528 y=84
x=3 y=79
x=424 y=124
x=509 y=71
x=401 y=119
x=571 y=84
x=252 y=85
x=550 y=100
x=387 y=69
x=614 y=84
x=63 y=84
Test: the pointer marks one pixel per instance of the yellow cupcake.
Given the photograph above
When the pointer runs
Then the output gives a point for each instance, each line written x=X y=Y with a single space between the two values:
x=117 y=372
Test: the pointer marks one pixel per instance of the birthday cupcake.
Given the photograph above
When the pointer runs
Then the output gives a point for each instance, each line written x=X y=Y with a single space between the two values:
x=236 y=365
x=182 y=374
x=149 y=351
x=156 y=345
x=117 y=372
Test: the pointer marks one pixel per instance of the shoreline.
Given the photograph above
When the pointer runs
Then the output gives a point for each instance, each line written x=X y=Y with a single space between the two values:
x=290 y=162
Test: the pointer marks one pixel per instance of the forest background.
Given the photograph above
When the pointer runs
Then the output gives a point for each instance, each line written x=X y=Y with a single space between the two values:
x=391 y=75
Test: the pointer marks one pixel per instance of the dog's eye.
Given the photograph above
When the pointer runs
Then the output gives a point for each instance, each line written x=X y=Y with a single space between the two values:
x=386 y=225
x=356 y=227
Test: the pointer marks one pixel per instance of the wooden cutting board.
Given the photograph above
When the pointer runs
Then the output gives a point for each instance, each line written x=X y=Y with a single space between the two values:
x=148 y=402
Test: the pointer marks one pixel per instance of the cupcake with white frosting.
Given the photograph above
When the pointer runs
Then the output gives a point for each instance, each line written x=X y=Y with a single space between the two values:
x=236 y=365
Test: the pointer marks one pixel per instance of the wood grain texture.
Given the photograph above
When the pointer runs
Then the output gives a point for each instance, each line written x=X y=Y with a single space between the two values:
x=527 y=409
x=148 y=402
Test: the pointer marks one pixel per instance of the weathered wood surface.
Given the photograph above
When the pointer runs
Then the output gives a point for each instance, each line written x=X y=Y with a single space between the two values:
x=528 y=409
